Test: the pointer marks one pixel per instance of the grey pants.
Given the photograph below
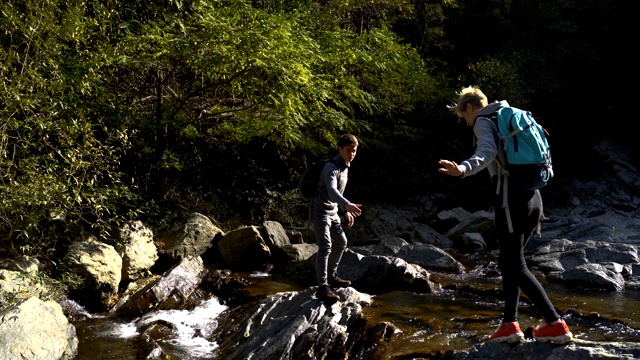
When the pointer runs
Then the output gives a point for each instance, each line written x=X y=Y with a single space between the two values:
x=332 y=242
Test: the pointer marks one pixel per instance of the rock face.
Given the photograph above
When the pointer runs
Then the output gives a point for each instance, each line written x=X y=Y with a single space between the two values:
x=577 y=350
x=166 y=292
x=296 y=325
x=244 y=248
x=137 y=250
x=36 y=330
x=191 y=238
x=101 y=267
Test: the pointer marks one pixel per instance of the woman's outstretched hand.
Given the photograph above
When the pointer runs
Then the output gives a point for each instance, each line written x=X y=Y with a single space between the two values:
x=450 y=168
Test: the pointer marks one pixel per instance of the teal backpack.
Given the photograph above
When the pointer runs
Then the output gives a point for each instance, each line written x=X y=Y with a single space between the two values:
x=525 y=143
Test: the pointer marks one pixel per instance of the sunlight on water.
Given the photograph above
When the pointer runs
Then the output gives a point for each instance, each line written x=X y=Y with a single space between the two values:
x=259 y=274
x=192 y=327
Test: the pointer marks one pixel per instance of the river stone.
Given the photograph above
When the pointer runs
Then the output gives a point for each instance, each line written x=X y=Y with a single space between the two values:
x=166 y=292
x=36 y=330
x=380 y=274
x=429 y=256
x=276 y=236
x=244 y=249
x=189 y=239
x=594 y=276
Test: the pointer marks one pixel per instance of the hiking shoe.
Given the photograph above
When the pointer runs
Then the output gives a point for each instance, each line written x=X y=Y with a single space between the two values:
x=557 y=333
x=327 y=295
x=509 y=332
x=338 y=283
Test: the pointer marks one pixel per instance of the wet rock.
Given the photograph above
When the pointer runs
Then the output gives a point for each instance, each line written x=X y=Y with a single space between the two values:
x=295 y=325
x=594 y=276
x=226 y=286
x=577 y=350
x=169 y=291
x=36 y=329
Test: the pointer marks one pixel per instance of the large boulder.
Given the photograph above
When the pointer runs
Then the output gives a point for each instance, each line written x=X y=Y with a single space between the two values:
x=296 y=325
x=381 y=274
x=15 y=285
x=36 y=330
x=244 y=249
x=191 y=238
x=137 y=249
x=100 y=266
x=169 y=291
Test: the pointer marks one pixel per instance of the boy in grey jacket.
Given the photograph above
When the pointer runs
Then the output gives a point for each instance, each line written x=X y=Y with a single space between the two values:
x=332 y=242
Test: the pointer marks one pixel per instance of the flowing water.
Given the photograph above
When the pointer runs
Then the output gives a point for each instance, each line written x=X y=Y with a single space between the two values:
x=109 y=337
x=452 y=319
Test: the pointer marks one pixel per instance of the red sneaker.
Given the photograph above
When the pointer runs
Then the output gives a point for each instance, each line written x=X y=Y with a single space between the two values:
x=557 y=333
x=509 y=332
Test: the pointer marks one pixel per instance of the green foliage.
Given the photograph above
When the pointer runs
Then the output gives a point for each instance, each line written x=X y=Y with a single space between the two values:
x=58 y=159
x=115 y=110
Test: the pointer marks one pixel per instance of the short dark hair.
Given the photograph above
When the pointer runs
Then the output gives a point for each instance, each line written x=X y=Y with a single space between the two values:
x=347 y=139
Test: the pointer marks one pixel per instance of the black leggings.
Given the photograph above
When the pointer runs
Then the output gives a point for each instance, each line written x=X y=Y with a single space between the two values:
x=526 y=212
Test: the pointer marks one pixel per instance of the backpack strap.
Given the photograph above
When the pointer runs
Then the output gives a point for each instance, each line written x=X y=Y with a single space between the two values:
x=503 y=174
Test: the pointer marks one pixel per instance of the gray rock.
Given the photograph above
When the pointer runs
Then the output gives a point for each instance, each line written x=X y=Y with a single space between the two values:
x=577 y=350
x=295 y=325
x=244 y=249
x=430 y=257
x=594 y=276
x=380 y=274
x=189 y=239
x=166 y=292
x=481 y=222
x=276 y=235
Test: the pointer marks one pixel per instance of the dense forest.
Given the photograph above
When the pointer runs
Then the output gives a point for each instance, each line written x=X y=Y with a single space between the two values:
x=116 y=110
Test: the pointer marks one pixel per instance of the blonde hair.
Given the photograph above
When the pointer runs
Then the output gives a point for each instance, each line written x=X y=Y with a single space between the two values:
x=469 y=95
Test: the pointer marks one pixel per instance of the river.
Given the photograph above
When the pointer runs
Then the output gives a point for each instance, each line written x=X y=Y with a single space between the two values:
x=462 y=314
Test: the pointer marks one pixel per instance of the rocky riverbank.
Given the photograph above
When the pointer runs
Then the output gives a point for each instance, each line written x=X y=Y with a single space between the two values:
x=413 y=247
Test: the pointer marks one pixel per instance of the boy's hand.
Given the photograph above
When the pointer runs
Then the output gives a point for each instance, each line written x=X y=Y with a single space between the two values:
x=354 y=209
x=349 y=218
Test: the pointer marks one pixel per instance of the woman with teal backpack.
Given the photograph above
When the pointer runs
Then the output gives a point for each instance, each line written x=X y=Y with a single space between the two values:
x=524 y=212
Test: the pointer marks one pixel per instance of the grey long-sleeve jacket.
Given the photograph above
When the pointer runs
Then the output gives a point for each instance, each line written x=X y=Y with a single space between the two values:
x=333 y=181
x=488 y=144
